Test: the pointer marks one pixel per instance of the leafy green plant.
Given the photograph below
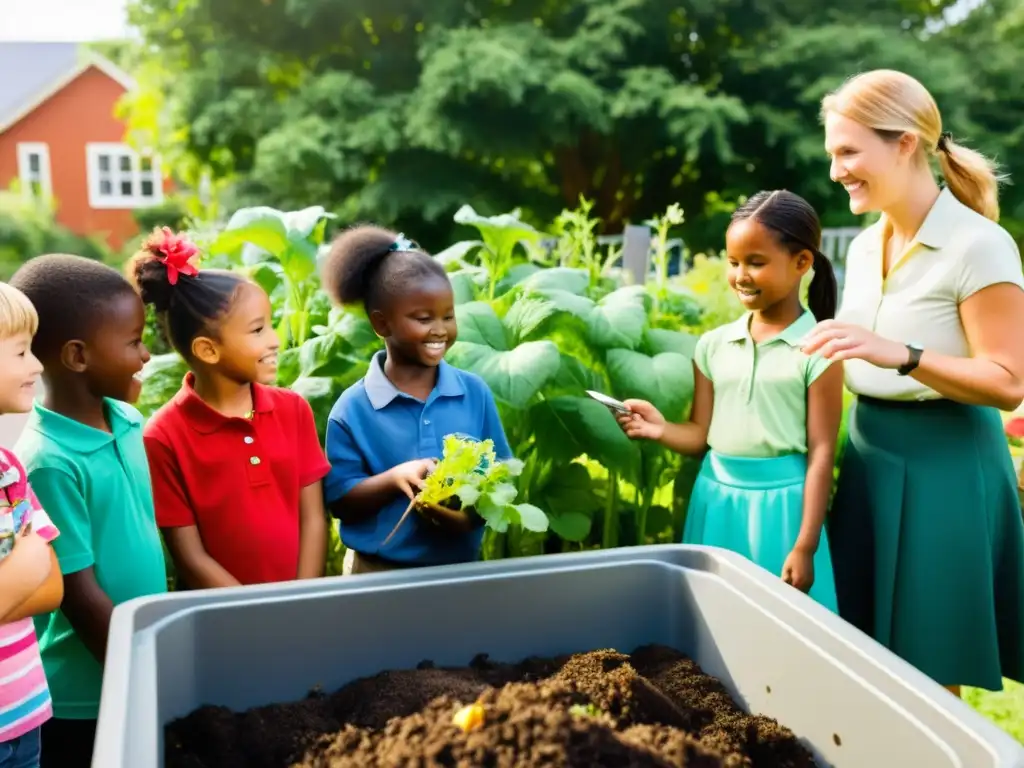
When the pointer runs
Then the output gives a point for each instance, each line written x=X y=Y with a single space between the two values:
x=279 y=251
x=539 y=347
x=672 y=217
x=495 y=251
x=28 y=228
x=708 y=283
x=470 y=473
x=577 y=244
x=539 y=337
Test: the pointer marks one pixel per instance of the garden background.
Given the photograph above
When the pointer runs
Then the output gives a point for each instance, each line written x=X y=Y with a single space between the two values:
x=506 y=136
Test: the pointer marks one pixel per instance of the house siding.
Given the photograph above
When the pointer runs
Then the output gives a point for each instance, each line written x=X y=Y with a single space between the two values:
x=80 y=113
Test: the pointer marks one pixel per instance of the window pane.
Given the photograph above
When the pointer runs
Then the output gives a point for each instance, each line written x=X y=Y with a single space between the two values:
x=147 y=188
x=126 y=187
x=104 y=162
x=37 y=189
x=146 y=163
x=106 y=189
x=34 y=162
x=126 y=163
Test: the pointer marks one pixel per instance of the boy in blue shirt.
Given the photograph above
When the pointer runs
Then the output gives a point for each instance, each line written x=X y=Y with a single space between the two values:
x=386 y=431
x=83 y=450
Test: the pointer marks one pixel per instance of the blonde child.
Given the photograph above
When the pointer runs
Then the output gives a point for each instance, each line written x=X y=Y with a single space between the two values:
x=30 y=580
x=82 y=448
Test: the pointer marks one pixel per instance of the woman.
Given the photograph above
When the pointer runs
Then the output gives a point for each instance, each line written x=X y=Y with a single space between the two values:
x=926 y=529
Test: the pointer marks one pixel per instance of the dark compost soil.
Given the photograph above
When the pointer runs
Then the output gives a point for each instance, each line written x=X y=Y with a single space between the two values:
x=653 y=708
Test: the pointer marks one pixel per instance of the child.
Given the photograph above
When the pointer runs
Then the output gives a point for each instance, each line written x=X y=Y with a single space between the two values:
x=83 y=451
x=769 y=413
x=236 y=464
x=30 y=580
x=386 y=430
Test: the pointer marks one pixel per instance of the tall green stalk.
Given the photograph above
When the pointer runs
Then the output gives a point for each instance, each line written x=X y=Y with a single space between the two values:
x=610 y=529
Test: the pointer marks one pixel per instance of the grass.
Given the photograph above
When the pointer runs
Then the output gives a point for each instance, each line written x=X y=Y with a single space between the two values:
x=1005 y=708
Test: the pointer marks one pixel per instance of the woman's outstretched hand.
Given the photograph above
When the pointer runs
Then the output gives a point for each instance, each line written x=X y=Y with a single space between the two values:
x=644 y=421
x=837 y=341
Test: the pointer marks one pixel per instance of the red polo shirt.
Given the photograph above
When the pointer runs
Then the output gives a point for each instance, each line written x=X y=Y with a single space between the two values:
x=237 y=480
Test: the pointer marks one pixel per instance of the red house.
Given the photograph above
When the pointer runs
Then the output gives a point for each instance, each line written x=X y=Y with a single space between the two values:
x=60 y=138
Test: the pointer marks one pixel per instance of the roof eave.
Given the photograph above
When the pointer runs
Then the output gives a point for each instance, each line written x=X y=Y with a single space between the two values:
x=89 y=59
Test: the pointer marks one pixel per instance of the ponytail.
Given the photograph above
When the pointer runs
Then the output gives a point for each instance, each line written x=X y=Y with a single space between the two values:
x=971 y=177
x=823 y=292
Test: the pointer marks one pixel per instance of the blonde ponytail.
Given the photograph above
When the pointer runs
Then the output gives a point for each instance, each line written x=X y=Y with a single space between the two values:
x=970 y=176
x=893 y=103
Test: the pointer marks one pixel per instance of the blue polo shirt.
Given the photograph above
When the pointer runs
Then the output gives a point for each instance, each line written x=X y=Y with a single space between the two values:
x=374 y=427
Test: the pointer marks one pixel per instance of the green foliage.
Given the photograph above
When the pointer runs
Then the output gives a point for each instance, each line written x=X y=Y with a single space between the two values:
x=470 y=472
x=706 y=282
x=1005 y=708
x=28 y=229
x=544 y=338
x=496 y=250
x=323 y=350
x=173 y=213
x=279 y=251
x=399 y=113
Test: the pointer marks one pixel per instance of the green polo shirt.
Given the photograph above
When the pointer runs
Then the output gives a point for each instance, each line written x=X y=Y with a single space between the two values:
x=760 y=407
x=95 y=487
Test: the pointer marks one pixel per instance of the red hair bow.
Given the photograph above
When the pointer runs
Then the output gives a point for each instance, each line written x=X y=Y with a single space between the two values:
x=176 y=252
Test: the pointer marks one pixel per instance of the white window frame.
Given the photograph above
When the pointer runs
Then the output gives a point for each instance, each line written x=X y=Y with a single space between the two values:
x=26 y=149
x=116 y=199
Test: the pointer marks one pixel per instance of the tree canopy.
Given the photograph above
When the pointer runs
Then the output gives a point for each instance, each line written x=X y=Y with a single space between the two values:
x=402 y=110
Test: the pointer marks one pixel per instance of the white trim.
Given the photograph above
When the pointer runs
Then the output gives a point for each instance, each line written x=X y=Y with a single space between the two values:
x=108 y=68
x=26 y=149
x=115 y=176
x=88 y=59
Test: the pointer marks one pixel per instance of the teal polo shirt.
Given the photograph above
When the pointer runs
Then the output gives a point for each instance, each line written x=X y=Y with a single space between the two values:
x=760 y=404
x=95 y=487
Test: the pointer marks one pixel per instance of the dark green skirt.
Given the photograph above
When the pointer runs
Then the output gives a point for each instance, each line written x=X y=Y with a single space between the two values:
x=928 y=541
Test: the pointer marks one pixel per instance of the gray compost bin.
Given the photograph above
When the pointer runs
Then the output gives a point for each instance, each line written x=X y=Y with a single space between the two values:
x=853 y=703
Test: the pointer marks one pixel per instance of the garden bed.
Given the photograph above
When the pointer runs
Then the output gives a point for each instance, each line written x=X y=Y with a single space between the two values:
x=652 y=708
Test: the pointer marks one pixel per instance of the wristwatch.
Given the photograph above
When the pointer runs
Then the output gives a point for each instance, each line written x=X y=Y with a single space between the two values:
x=916 y=350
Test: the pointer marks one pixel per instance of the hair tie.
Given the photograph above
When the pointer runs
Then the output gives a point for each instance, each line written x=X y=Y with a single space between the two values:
x=176 y=252
x=945 y=138
x=402 y=243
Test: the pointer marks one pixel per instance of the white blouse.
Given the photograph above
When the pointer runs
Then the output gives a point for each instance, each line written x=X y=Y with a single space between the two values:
x=955 y=254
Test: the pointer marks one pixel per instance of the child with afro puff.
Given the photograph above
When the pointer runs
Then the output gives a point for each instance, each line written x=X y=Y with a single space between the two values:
x=387 y=430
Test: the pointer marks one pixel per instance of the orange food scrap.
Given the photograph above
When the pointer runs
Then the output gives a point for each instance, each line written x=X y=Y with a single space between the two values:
x=469 y=717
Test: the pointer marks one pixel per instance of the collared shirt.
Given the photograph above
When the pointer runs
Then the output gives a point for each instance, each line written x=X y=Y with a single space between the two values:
x=24 y=695
x=956 y=253
x=374 y=427
x=237 y=480
x=760 y=407
x=95 y=487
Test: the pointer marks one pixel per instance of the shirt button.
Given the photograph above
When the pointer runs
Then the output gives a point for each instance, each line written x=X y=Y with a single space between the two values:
x=426 y=421
x=254 y=460
x=248 y=440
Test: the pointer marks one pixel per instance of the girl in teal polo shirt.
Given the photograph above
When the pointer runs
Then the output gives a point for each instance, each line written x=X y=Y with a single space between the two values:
x=769 y=413
x=387 y=429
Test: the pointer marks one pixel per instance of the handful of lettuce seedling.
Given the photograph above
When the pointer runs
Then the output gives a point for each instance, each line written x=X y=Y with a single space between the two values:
x=469 y=486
